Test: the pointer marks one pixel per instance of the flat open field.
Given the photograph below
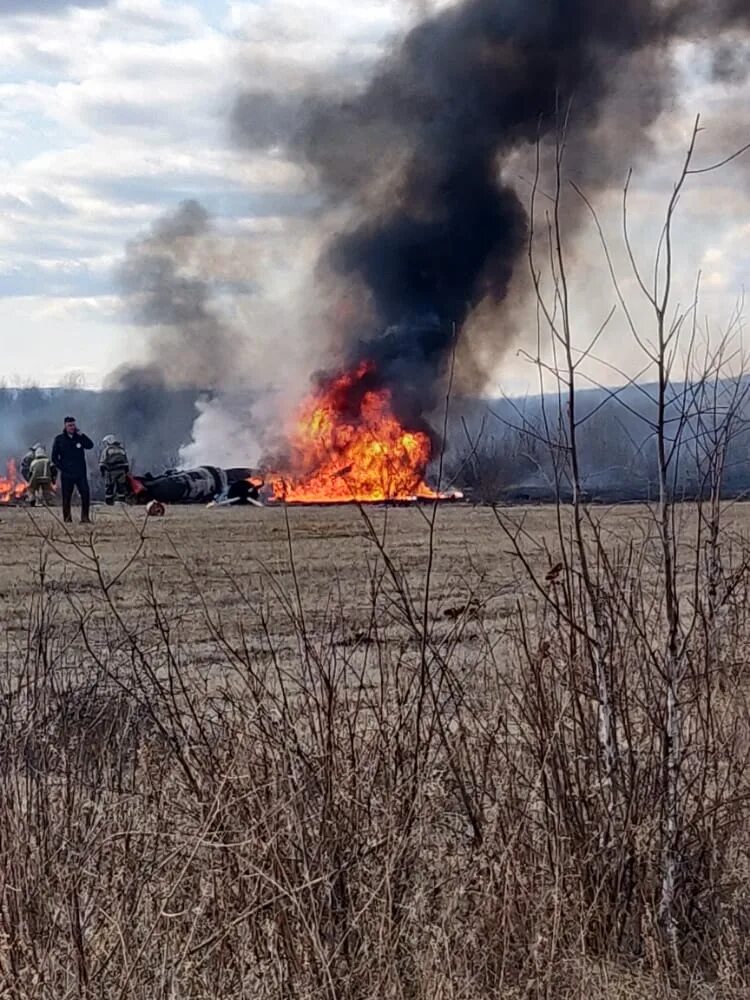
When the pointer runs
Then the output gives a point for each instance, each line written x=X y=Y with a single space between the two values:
x=257 y=567
x=261 y=573
x=324 y=752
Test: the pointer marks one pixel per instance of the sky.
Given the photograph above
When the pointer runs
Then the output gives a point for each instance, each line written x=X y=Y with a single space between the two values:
x=112 y=113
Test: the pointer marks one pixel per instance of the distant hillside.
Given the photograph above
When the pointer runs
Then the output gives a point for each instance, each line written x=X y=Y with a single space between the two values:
x=501 y=448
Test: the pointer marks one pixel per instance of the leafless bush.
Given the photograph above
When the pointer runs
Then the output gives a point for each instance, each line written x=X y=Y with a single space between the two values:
x=646 y=778
x=417 y=806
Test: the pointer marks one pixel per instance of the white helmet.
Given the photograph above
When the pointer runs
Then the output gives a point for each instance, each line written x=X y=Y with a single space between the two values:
x=39 y=451
x=108 y=439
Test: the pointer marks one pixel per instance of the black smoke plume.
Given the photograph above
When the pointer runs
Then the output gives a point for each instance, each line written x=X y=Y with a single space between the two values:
x=420 y=154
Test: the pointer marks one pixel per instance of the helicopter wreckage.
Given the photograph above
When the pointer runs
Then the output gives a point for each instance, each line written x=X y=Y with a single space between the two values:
x=208 y=485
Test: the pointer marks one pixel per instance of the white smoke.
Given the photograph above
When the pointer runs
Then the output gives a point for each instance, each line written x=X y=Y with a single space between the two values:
x=220 y=437
x=281 y=326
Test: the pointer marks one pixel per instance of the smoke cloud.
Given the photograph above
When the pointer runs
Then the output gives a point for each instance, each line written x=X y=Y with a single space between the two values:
x=220 y=436
x=418 y=170
x=420 y=158
x=168 y=293
x=189 y=348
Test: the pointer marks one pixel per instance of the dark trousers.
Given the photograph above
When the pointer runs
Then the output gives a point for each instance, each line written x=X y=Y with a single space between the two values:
x=80 y=483
x=115 y=486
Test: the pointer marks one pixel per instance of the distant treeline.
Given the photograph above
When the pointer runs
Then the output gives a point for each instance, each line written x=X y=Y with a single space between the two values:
x=151 y=422
x=514 y=449
x=497 y=449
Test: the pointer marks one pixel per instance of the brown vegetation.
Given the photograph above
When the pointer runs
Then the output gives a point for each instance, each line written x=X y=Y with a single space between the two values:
x=356 y=755
x=417 y=753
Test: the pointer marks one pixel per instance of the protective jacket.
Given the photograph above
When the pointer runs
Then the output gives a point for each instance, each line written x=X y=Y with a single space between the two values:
x=40 y=472
x=26 y=461
x=114 y=459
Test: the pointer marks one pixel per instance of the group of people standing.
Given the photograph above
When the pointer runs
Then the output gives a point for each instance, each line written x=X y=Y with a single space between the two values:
x=68 y=463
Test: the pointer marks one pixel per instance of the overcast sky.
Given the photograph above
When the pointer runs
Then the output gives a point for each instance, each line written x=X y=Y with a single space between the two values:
x=111 y=113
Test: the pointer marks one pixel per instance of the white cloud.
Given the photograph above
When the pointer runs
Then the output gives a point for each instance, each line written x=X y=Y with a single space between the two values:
x=45 y=8
x=110 y=114
x=46 y=338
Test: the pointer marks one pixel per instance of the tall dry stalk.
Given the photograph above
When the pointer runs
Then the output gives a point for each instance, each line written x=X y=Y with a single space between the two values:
x=590 y=593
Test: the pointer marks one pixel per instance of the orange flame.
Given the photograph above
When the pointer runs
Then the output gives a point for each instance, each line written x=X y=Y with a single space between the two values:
x=11 y=486
x=348 y=446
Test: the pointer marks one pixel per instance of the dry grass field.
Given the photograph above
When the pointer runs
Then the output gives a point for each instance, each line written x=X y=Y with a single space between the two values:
x=248 y=565
x=353 y=754
x=239 y=564
x=254 y=570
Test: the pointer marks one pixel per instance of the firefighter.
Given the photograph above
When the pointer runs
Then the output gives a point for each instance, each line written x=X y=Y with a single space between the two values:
x=27 y=459
x=41 y=478
x=114 y=467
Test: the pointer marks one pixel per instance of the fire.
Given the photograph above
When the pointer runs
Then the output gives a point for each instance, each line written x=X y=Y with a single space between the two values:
x=12 y=487
x=349 y=446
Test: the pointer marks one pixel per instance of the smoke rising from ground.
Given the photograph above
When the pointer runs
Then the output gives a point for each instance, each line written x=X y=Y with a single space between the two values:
x=169 y=292
x=220 y=434
x=420 y=158
x=166 y=285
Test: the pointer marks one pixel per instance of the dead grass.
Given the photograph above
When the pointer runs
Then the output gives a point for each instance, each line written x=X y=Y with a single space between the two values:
x=246 y=758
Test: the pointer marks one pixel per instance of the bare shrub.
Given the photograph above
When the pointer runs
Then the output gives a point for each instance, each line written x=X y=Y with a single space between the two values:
x=647 y=758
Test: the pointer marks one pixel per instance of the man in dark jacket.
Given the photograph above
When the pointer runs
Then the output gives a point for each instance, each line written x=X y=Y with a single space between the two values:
x=68 y=457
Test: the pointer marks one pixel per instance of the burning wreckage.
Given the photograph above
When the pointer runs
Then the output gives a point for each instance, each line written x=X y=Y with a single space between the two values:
x=207 y=485
x=337 y=459
x=348 y=443
x=13 y=488
x=215 y=487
